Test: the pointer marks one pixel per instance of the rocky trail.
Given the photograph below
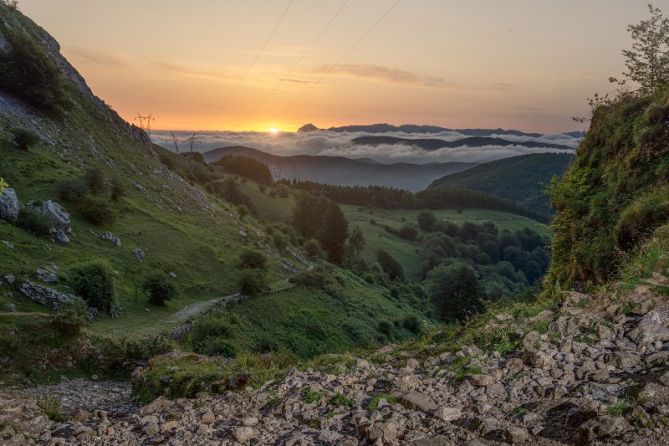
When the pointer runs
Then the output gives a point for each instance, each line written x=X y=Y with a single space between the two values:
x=597 y=375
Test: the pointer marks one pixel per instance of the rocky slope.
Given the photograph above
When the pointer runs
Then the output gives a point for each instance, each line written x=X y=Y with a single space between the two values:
x=591 y=371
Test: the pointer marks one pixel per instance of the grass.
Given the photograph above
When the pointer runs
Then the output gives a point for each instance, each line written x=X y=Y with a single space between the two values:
x=312 y=396
x=408 y=252
x=620 y=408
x=51 y=408
x=374 y=402
x=340 y=400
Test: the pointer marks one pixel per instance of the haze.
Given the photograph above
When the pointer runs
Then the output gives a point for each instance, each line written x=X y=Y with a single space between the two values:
x=523 y=64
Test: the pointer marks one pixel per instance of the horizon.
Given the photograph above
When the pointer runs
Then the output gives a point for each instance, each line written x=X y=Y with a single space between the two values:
x=257 y=66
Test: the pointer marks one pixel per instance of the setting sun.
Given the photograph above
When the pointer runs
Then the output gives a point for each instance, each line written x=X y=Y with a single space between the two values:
x=274 y=131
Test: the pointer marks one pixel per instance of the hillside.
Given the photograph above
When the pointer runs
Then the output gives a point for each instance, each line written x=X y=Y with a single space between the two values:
x=344 y=171
x=520 y=179
x=430 y=144
x=92 y=205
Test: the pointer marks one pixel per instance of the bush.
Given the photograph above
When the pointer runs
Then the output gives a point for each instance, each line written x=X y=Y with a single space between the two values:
x=117 y=190
x=95 y=284
x=252 y=260
x=251 y=282
x=455 y=291
x=68 y=322
x=309 y=279
x=96 y=180
x=72 y=191
x=96 y=212
x=389 y=265
x=30 y=74
x=408 y=233
x=24 y=139
x=266 y=345
x=217 y=347
x=426 y=221
x=385 y=328
x=313 y=249
x=412 y=323
x=160 y=289
x=207 y=336
x=33 y=221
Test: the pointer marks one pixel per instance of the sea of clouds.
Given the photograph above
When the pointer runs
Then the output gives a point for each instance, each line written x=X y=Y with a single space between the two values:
x=332 y=143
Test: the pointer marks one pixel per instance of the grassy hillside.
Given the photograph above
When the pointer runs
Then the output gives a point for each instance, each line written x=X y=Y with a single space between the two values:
x=616 y=193
x=372 y=220
x=521 y=179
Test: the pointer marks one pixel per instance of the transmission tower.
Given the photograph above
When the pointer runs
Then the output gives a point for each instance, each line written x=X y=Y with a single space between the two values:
x=145 y=119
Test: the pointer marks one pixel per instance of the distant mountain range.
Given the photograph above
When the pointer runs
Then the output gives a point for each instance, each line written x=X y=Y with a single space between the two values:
x=472 y=141
x=520 y=179
x=344 y=171
x=410 y=128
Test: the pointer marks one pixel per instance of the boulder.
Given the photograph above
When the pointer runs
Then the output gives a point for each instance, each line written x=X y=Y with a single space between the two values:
x=57 y=215
x=9 y=205
x=115 y=240
x=45 y=296
x=139 y=254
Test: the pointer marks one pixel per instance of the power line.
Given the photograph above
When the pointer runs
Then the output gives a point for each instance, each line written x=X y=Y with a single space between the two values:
x=296 y=64
x=341 y=60
x=255 y=61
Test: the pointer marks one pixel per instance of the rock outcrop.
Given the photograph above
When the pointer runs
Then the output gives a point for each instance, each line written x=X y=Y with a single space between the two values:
x=10 y=207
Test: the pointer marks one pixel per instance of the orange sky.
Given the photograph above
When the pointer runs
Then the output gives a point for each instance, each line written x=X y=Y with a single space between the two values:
x=526 y=64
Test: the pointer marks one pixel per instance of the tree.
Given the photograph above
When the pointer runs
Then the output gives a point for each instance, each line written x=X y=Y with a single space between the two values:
x=426 y=221
x=252 y=260
x=159 y=289
x=389 y=265
x=648 y=61
x=333 y=233
x=356 y=243
x=308 y=214
x=95 y=284
x=455 y=291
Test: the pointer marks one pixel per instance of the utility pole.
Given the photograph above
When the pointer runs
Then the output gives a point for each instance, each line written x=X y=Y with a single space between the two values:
x=192 y=139
x=176 y=142
x=147 y=119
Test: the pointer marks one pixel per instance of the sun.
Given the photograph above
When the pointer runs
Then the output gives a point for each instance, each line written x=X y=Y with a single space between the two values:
x=274 y=131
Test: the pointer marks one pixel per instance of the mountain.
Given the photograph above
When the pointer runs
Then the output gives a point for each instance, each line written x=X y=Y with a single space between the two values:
x=520 y=179
x=344 y=171
x=307 y=128
x=473 y=141
x=410 y=128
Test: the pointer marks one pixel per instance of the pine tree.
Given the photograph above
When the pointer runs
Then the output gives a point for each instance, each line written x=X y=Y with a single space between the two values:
x=333 y=233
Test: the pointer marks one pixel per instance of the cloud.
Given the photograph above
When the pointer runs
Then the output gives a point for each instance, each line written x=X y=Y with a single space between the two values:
x=188 y=71
x=326 y=143
x=98 y=57
x=295 y=81
x=385 y=74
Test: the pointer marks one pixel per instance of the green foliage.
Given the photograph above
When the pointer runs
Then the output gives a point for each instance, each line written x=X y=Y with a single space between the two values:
x=246 y=167
x=385 y=328
x=611 y=198
x=160 y=289
x=94 y=283
x=217 y=347
x=340 y=400
x=97 y=212
x=118 y=190
x=412 y=323
x=455 y=291
x=24 y=139
x=426 y=220
x=73 y=191
x=33 y=221
x=96 y=180
x=313 y=249
x=3 y=184
x=252 y=260
x=51 y=408
x=251 y=282
x=324 y=220
x=231 y=193
x=69 y=322
x=30 y=74
x=312 y=396
x=389 y=265
x=205 y=330
x=374 y=402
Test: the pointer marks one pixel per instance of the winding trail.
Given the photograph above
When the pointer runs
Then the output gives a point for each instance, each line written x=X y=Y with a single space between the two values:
x=198 y=308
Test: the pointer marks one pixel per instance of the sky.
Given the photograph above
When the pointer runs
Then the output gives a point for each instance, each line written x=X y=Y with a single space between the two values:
x=278 y=64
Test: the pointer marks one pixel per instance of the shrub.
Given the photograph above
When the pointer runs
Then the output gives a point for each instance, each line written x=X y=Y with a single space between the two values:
x=252 y=260
x=72 y=191
x=118 y=190
x=96 y=180
x=24 y=139
x=426 y=220
x=310 y=279
x=30 y=74
x=389 y=265
x=160 y=289
x=68 y=322
x=251 y=282
x=95 y=284
x=385 y=328
x=96 y=212
x=51 y=408
x=266 y=345
x=33 y=221
x=455 y=291
x=217 y=347
x=313 y=249
x=412 y=323
x=407 y=233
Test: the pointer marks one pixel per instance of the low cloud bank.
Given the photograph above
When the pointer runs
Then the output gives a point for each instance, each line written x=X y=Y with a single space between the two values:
x=326 y=143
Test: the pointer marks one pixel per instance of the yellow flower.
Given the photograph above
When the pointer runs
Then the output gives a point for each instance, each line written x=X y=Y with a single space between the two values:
x=3 y=184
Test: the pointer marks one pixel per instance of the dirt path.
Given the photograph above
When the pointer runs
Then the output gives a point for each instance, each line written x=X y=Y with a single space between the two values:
x=198 y=308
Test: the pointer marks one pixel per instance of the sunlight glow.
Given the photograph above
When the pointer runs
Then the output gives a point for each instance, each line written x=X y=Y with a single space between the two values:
x=274 y=131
